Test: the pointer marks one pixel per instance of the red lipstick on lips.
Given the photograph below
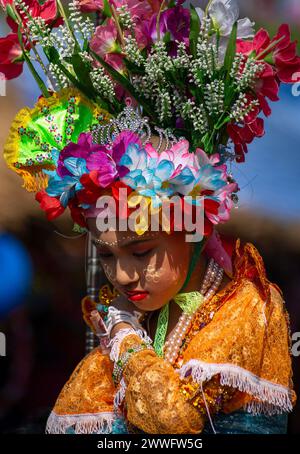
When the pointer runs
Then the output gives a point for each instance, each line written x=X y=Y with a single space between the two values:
x=136 y=296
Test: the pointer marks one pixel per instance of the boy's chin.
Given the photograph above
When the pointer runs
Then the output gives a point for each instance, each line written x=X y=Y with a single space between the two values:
x=147 y=306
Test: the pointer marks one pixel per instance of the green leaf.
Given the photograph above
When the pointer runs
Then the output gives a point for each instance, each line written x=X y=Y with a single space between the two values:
x=106 y=9
x=82 y=70
x=207 y=141
x=144 y=53
x=54 y=57
x=11 y=13
x=85 y=45
x=194 y=30
x=222 y=121
x=52 y=54
x=231 y=49
x=270 y=59
x=133 y=67
x=230 y=95
x=167 y=37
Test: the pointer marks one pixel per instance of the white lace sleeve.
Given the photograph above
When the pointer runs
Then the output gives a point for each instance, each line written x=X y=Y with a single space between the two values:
x=116 y=341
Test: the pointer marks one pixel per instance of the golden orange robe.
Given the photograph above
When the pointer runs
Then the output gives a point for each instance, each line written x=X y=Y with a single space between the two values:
x=236 y=355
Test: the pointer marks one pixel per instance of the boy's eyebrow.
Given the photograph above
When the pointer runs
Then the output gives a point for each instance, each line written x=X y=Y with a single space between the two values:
x=98 y=242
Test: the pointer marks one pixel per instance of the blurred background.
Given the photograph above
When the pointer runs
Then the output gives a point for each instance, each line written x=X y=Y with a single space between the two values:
x=42 y=275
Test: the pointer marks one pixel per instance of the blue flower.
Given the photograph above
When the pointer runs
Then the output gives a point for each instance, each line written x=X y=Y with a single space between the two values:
x=67 y=186
x=147 y=175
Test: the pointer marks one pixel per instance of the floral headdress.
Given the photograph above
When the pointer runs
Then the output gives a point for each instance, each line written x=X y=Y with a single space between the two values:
x=202 y=79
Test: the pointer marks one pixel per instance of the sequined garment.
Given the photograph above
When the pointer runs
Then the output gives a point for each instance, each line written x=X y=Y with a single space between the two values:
x=232 y=375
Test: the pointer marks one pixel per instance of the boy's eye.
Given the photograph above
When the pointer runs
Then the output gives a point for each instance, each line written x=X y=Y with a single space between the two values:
x=104 y=255
x=142 y=254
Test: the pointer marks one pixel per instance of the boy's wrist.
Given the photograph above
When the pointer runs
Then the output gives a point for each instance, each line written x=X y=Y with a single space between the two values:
x=118 y=327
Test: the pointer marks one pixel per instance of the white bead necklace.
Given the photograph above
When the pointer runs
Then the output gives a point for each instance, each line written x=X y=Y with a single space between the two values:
x=211 y=282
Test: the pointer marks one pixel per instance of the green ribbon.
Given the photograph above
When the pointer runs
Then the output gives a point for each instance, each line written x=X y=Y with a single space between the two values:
x=161 y=330
x=189 y=302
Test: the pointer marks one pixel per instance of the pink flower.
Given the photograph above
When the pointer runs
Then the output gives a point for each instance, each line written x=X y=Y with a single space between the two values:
x=10 y=56
x=180 y=156
x=223 y=196
x=120 y=145
x=104 y=40
x=116 y=61
x=139 y=9
x=104 y=43
x=174 y=20
x=90 y=6
x=213 y=160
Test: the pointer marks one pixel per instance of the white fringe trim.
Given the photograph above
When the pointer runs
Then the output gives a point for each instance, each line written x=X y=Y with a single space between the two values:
x=272 y=398
x=117 y=340
x=88 y=423
x=120 y=395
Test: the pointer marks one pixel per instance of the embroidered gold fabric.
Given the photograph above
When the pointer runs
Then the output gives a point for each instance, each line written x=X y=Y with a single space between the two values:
x=153 y=399
x=214 y=395
x=243 y=326
x=90 y=388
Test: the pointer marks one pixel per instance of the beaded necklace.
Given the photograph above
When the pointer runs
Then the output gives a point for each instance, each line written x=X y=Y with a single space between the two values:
x=189 y=303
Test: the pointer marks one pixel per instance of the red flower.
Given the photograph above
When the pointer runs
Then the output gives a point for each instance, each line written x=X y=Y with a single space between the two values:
x=189 y=211
x=10 y=54
x=47 y=11
x=243 y=135
x=50 y=205
x=285 y=60
x=122 y=209
x=77 y=213
x=92 y=190
x=267 y=87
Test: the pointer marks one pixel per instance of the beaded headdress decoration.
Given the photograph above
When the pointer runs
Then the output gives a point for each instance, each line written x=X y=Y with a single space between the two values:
x=200 y=80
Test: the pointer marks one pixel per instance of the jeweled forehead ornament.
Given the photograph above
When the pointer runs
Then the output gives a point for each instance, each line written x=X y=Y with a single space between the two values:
x=130 y=120
x=148 y=236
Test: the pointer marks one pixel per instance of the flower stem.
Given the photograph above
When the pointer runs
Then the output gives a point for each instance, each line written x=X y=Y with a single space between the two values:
x=269 y=48
x=36 y=76
x=158 y=19
x=207 y=8
x=115 y=16
x=32 y=46
x=64 y=16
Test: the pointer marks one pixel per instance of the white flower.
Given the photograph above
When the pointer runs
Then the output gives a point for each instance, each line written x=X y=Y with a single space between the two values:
x=224 y=13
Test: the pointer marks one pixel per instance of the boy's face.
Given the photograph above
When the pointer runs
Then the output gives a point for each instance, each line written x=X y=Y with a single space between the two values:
x=152 y=266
